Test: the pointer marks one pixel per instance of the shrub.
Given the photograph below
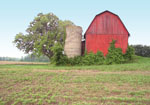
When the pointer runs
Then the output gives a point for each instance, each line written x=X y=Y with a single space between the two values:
x=58 y=58
x=128 y=56
x=99 y=58
x=114 y=55
x=75 y=61
x=89 y=59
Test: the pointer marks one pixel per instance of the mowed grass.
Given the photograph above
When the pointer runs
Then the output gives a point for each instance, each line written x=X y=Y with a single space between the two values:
x=43 y=84
x=140 y=63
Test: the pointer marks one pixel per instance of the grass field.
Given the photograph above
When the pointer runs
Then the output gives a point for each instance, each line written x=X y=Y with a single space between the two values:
x=44 y=84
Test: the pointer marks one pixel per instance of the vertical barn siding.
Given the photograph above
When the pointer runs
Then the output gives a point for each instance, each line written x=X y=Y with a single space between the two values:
x=106 y=23
x=103 y=29
x=101 y=43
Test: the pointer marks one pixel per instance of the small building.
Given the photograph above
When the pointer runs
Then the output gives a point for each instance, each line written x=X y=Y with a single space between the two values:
x=104 y=28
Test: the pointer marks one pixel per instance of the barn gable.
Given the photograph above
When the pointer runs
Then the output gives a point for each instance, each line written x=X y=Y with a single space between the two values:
x=107 y=23
x=104 y=28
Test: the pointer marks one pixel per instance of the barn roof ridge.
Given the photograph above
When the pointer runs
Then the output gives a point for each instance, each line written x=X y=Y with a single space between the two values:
x=115 y=15
x=106 y=11
x=111 y=13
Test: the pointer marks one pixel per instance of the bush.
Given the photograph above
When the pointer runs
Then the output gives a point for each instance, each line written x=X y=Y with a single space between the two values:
x=75 y=61
x=114 y=55
x=129 y=55
x=58 y=58
x=99 y=60
x=89 y=59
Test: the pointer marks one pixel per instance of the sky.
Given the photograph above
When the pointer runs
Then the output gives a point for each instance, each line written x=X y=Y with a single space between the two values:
x=15 y=16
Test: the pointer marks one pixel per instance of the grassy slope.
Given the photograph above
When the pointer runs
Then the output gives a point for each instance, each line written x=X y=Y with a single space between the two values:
x=45 y=84
x=140 y=63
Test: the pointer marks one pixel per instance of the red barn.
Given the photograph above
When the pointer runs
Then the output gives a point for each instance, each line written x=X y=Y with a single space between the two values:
x=105 y=27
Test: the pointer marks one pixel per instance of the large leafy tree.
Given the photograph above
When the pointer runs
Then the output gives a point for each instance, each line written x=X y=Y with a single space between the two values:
x=43 y=32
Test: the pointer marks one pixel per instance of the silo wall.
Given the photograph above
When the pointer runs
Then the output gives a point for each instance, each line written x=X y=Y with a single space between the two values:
x=72 y=46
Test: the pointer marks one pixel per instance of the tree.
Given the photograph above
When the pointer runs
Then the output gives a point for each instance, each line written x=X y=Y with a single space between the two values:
x=142 y=50
x=42 y=33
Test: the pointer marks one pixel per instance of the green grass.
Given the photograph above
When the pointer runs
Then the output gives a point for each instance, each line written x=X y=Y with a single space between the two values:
x=140 y=63
x=78 y=85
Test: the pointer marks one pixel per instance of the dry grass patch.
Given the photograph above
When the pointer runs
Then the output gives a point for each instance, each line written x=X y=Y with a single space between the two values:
x=20 y=63
x=92 y=72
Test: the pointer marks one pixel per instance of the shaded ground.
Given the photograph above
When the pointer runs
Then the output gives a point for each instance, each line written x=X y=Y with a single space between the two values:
x=22 y=86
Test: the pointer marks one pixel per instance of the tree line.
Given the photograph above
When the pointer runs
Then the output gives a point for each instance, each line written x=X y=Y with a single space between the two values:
x=28 y=58
x=142 y=50
x=9 y=59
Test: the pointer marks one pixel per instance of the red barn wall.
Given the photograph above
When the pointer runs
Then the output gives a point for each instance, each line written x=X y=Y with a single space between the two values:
x=103 y=29
x=101 y=43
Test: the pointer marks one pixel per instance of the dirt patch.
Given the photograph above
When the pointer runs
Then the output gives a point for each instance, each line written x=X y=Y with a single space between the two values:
x=90 y=72
x=19 y=63
x=128 y=72
x=76 y=72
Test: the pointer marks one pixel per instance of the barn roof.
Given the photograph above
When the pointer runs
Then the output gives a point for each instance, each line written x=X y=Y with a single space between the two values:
x=110 y=13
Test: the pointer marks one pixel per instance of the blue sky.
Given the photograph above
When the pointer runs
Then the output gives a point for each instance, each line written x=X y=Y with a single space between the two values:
x=15 y=16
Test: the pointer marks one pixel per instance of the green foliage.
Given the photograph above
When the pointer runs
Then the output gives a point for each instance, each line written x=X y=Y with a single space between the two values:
x=93 y=59
x=33 y=58
x=87 y=59
x=99 y=58
x=114 y=55
x=9 y=59
x=141 y=63
x=129 y=55
x=28 y=58
x=58 y=57
x=42 y=33
x=142 y=50
x=75 y=61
